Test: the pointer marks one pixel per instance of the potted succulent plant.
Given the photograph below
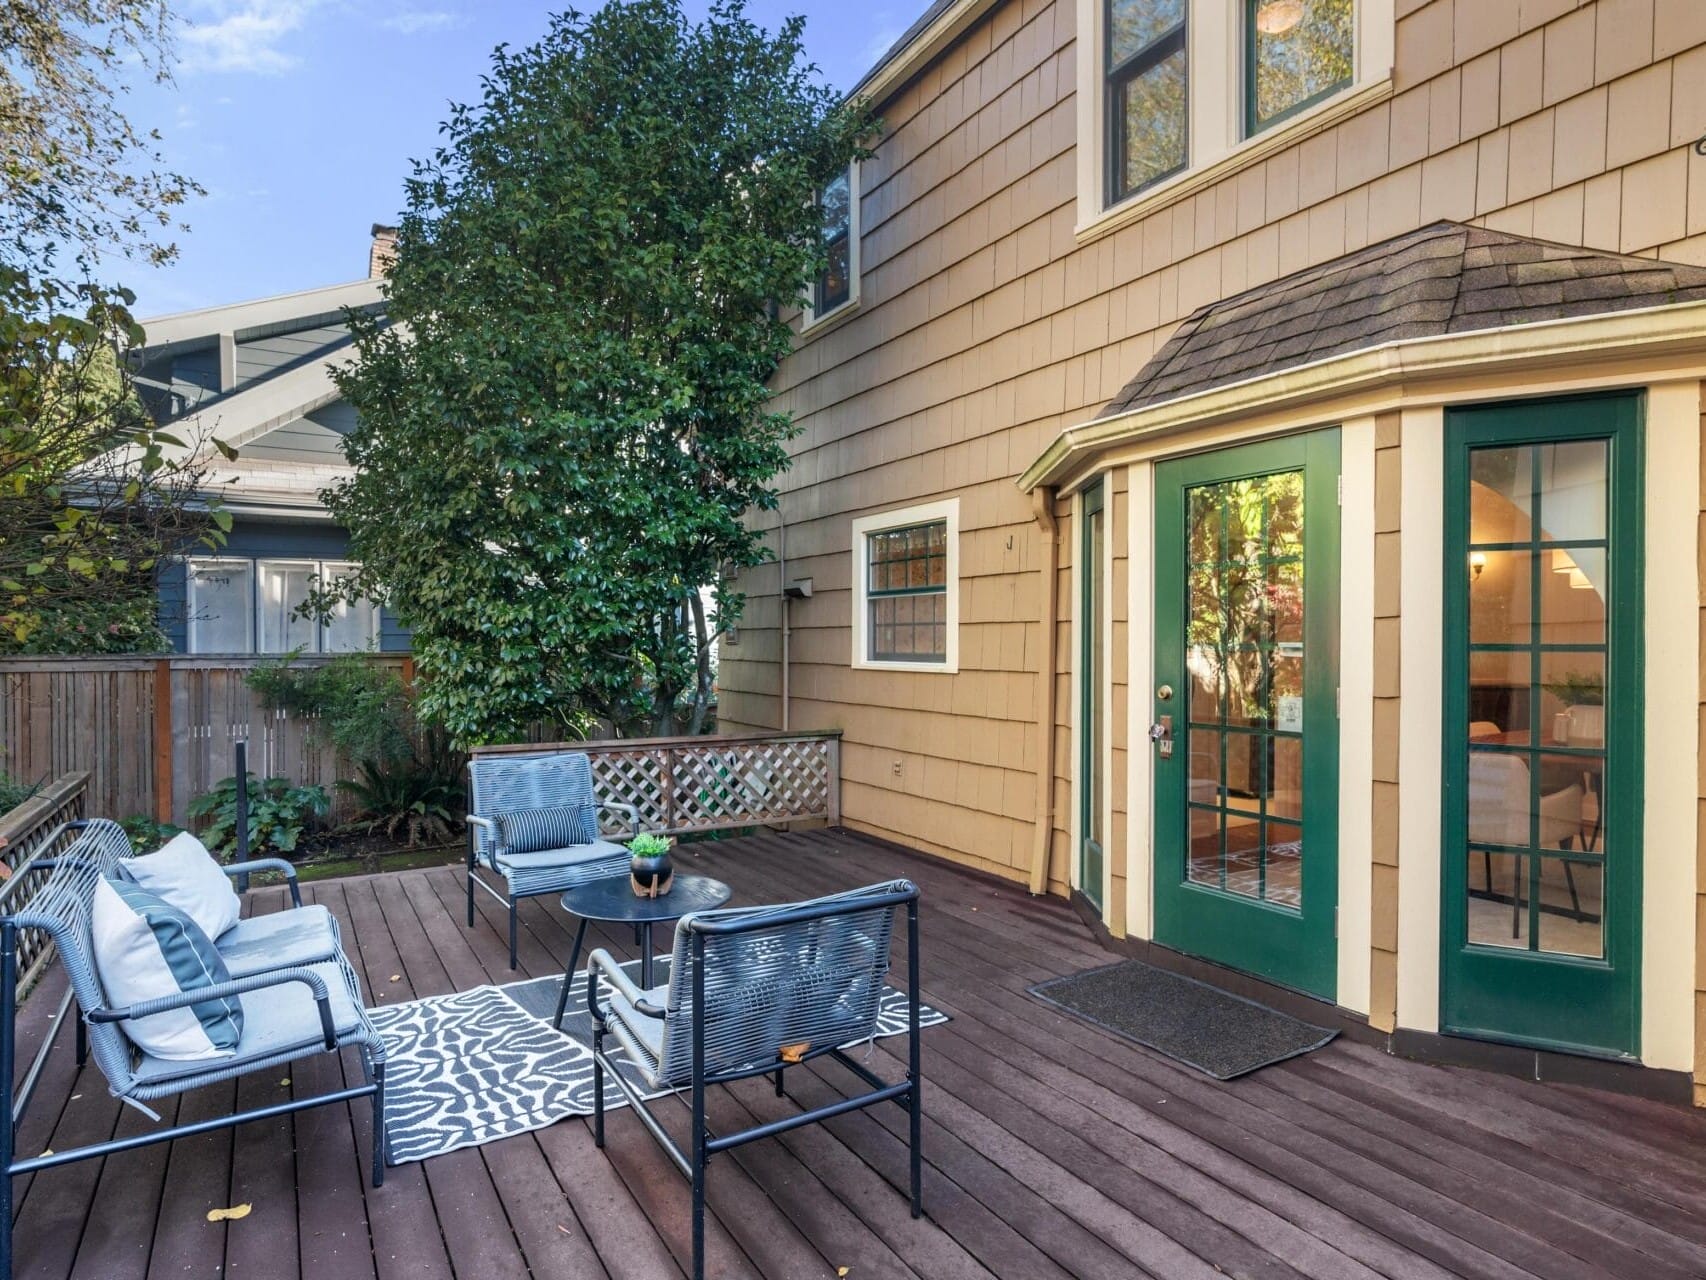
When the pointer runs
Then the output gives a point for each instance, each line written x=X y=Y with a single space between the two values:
x=650 y=870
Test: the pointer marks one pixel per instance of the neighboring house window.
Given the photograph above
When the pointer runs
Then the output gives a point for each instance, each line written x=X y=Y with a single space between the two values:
x=906 y=573
x=1146 y=93
x=838 y=207
x=250 y=606
x=1296 y=52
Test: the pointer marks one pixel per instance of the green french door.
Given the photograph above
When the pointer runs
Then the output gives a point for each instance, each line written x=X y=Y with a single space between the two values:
x=1542 y=769
x=1092 y=697
x=1245 y=709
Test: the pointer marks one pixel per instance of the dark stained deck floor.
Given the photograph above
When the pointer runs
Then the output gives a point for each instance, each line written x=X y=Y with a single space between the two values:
x=1053 y=1149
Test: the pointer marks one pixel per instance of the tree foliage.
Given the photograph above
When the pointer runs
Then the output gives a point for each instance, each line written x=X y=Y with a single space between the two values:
x=564 y=419
x=93 y=496
x=74 y=171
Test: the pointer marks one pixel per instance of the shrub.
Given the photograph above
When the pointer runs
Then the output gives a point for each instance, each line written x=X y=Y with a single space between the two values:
x=147 y=835
x=279 y=815
x=13 y=793
x=354 y=705
x=419 y=800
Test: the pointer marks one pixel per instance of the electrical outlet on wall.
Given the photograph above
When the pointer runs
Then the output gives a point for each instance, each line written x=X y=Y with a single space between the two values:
x=897 y=766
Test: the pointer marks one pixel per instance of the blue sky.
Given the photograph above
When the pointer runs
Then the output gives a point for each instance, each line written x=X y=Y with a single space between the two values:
x=300 y=118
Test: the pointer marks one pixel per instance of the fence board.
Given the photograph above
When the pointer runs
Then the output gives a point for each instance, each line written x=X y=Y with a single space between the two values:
x=152 y=733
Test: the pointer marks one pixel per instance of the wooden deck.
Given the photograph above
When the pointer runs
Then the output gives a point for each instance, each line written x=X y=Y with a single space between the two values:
x=1052 y=1148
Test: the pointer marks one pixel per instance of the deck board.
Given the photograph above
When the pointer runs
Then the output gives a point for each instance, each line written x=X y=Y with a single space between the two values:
x=1052 y=1148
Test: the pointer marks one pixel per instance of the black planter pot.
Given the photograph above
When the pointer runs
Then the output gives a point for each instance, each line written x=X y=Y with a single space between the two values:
x=652 y=875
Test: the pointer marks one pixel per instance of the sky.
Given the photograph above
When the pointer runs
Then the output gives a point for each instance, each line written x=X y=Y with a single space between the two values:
x=301 y=117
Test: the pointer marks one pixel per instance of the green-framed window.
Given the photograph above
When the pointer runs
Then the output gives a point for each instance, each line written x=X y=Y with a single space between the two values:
x=1296 y=52
x=1146 y=87
x=906 y=595
x=1543 y=697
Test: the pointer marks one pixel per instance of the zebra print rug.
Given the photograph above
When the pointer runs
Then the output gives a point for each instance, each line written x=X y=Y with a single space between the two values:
x=474 y=1066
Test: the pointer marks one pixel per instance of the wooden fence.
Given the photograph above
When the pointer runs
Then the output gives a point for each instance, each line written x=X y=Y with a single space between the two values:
x=152 y=733
x=26 y=834
x=681 y=785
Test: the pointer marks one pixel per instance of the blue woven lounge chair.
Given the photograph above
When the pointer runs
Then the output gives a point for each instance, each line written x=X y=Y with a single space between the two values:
x=753 y=991
x=306 y=1002
x=499 y=786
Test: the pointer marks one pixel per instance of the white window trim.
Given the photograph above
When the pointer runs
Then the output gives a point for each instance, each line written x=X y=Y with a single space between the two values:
x=1215 y=82
x=947 y=510
x=324 y=569
x=197 y=565
x=810 y=319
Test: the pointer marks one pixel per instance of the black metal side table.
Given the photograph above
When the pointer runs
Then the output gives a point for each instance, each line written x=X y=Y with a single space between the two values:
x=612 y=900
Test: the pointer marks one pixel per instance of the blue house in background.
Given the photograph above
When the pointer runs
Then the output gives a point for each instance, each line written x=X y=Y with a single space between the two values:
x=257 y=376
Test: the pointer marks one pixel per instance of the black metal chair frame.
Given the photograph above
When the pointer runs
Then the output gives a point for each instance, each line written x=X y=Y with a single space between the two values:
x=15 y=1096
x=703 y=1145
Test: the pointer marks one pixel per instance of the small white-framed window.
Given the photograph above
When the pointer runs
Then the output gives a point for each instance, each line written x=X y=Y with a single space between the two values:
x=221 y=606
x=250 y=606
x=906 y=606
x=838 y=210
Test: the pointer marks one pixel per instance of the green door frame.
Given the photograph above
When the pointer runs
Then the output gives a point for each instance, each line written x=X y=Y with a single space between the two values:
x=1296 y=948
x=1092 y=718
x=1550 y=1000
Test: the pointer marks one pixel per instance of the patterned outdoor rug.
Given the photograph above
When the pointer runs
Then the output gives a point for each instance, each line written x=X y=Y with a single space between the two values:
x=474 y=1066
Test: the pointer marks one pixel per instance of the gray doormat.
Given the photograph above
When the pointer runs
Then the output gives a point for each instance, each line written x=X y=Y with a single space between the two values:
x=1220 y=1034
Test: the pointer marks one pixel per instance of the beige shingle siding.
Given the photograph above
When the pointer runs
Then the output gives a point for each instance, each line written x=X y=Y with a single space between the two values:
x=983 y=328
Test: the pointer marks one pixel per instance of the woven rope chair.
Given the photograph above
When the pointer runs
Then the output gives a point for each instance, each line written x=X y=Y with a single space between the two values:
x=288 y=1014
x=753 y=991
x=499 y=785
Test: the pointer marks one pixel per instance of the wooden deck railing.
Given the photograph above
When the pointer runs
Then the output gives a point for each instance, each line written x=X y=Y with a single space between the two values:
x=27 y=835
x=683 y=785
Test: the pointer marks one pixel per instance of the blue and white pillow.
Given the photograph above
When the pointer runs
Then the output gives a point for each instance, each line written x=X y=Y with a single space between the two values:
x=536 y=830
x=186 y=875
x=145 y=948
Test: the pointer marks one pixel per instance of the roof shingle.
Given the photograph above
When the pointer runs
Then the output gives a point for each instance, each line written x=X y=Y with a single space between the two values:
x=1443 y=278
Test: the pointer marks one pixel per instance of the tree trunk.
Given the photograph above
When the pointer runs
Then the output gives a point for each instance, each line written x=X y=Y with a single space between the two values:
x=702 y=668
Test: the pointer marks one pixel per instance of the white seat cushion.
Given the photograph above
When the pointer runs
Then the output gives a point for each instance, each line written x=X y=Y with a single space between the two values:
x=147 y=949
x=186 y=875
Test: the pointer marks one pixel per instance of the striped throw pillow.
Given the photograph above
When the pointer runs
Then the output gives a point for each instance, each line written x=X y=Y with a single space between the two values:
x=536 y=830
x=145 y=948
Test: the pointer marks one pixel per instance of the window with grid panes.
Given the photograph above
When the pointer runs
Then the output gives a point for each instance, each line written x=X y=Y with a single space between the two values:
x=907 y=594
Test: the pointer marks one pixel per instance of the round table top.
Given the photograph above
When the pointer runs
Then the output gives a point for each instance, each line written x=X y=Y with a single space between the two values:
x=613 y=899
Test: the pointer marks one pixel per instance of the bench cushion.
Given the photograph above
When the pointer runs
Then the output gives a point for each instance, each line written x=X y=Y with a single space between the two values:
x=186 y=875
x=147 y=949
x=281 y=940
x=554 y=870
x=281 y=1021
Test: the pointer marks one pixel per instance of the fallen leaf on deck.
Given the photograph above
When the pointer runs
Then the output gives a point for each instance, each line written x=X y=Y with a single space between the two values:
x=48 y=1152
x=396 y=977
x=232 y=1214
x=284 y=1083
x=841 y=1271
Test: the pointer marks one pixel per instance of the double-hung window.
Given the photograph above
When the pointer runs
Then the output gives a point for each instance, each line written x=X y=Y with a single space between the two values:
x=1148 y=107
x=905 y=579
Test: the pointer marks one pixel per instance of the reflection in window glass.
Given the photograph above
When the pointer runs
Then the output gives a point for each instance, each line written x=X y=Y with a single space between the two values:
x=1147 y=135
x=835 y=285
x=1299 y=51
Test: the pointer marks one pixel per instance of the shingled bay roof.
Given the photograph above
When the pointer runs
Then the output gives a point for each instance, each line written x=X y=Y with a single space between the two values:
x=1444 y=278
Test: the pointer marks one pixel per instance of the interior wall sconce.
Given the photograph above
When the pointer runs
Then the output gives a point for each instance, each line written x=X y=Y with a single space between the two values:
x=1477 y=565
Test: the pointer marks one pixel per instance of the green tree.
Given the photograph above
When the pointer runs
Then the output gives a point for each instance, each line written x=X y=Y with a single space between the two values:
x=93 y=496
x=74 y=171
x=565 y=418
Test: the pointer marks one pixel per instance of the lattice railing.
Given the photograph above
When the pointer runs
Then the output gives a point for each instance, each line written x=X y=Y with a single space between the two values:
x=683 y=785
x=28 y=834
